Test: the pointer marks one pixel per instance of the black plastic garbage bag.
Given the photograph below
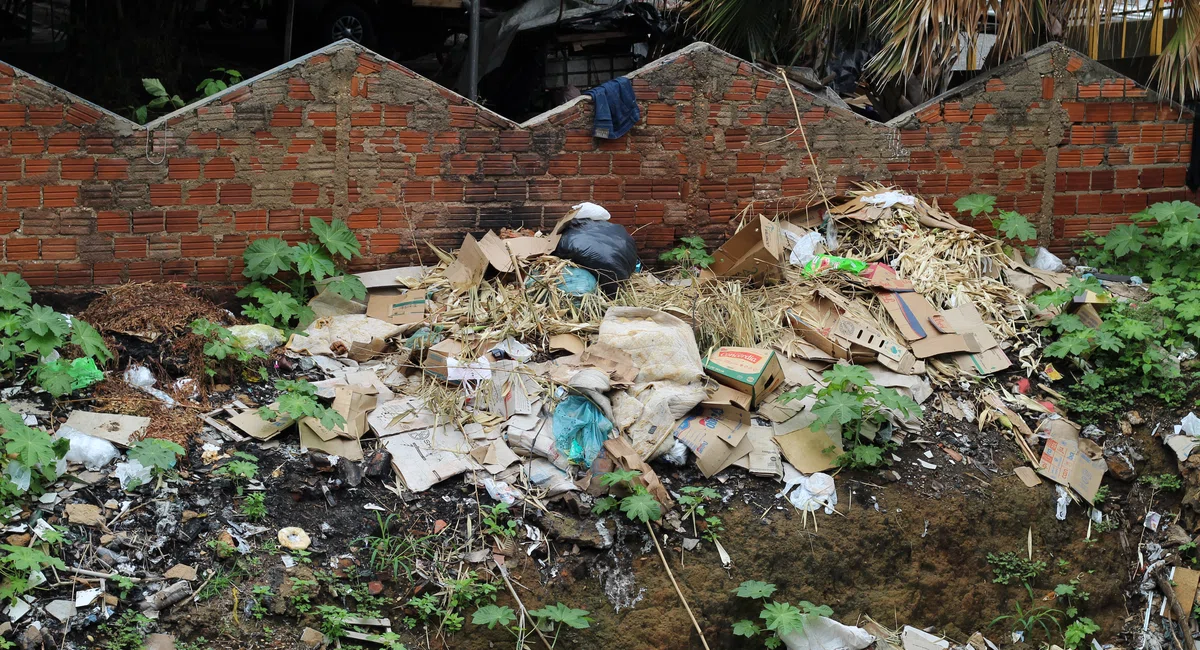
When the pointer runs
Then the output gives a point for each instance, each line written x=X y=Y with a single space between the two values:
x=603 y=247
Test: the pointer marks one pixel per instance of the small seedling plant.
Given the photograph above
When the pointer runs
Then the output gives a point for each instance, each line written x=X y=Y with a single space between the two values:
x=637 y=505
x=397 y=554
x=779 y=619
x=297 y=400
x=254 y=506
x=448 y=606
x=694 y=500
x=550 y=620
x=284 y=276
x=35 y=334
x=241 y=470
x=1162 y=482
x=498 y=521
x=222 y=350
x=30 y=458
x=851 y=399
x=690 y=254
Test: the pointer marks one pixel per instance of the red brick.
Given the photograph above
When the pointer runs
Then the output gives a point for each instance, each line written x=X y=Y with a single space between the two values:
x=112 y=169
x=58 y=248
x=43 y=115
x=235 y=194
x=23 y=196
x=287 y=117
x=9 y=222
x=21 y=248
x=219 y=168
x=306 y=193
x=12 y=115
x=10 y=169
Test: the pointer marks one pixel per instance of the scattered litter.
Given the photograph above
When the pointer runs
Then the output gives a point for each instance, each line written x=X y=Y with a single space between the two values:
x=292 y=538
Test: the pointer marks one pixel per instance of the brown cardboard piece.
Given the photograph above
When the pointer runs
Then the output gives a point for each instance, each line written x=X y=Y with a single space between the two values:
x=807 y=449
x=256 y=427
x=717 y=437
x=1088 y=315
x=1079 y=465
x=436 y=357
x=726 y=396
x=918 y=322
x=615 y=361
x=113 y=427
x=567 y=342
x=622 y=453
x=754 y=372
x=881 y=276
x=1027 y=476
x=399 y=277
x=311 y=437
x=475 y=256
x=754 y=252
x=397 y=306
x=1184 y=582
x=495 y=456
x=764 y=459
x=990 y=359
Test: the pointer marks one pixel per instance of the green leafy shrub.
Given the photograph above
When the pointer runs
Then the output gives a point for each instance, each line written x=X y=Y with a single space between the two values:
x=17 y=563
x=220 y=346
x=1013 y=225
x=851 y=399
x=498 y=521
x=284 y=276
x=32 y=332
x=553 y=619
x=694 y=500
x=241 y=470
x=447 y=607
x=1078 y=631
x=31 y=458
x=1159 y=244
x=691 y=252
x=1162 y=482
x=778 y=618
x=638 y=504
x=157 y=454
x=254 y=506
x=297 y=400
x=1009 y=566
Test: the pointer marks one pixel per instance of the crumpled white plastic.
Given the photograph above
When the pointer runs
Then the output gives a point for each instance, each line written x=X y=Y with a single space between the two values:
x=813 y=492
x=91 y=451
x=888 y=199
x=515 y=349
x=130 y=471
x=1047 y=261
x=821 y=633
x=501 y=491
x=591 y=211
x=1189 y=425
x=803 y=247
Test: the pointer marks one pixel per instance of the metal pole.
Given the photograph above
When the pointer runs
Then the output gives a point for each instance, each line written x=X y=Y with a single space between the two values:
x=473 y=52
x=287 y=30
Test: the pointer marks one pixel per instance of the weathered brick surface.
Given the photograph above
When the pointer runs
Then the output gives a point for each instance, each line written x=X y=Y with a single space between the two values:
x=346 y=134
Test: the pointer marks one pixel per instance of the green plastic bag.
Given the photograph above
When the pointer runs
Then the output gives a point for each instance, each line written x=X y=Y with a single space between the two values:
x=83 y=373
x=822 y=263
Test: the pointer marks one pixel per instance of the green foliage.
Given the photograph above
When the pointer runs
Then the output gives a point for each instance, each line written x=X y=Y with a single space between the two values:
x=126 y=632
x=780 y=618
x=397 y=554
x=254 y=506
x=691 y=252
x=976 y=204
x=241 y=470
x=157 y=454
x=299 y=400
x=333 y=620
x=31 y=457
x=1078 y=631
x=17 y=563
x=1032 y=619
x=284 y=276
x=160 y=101
x=1013 y=225
x=498 y=521
x=302 y=593
x=552 y=619
x=456 y=595
x=1162 y=482
x=221 y=346
x=1160 y=243
x=1009 y=566
x=694 y=500
x=30 y=332
x=493 y=615
x=224 y=79
x=851 y=399
x=637 y=504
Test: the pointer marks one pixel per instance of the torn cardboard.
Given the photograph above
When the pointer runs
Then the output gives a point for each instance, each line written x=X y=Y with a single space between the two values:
x=623 y=455
x=396 y=306
x=425 y=457
x=314 y=435
x=113 y=427
x=924 y=327
x=764 y=459
x=1079 y=465
x=753 y=371
x=255 y=426
x=476 y=256
x=716 y=436
x=753 y=252
x=990 y=358
x=567 y=343
x=805 y=447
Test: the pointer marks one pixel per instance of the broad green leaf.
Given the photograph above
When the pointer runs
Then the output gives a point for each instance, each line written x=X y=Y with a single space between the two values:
x=641 y=507
x=300 y=386
x=44 y=321
x=782 y=618
x=266 y=257
x=1132 y=328
x=1182 y=235
x=54 y=378
x=842 y=408
x=10 y=420
x=866 y=456
x=772 y=642
x=1189 y=310
x=31 y=447
x=755 y=589
x=348 y=286
x=141 y=113
x=42 y=345
x=14 y=292
x=336 y=237
x=893 y=399
x=619 y=476
x=1174 y=212
x=1109 y=342
x=976 y=204
x=797 y=393
x=157 y=453
x=603 y=505
x=9 y=352
x=560 y=613
x=89 y=340
x=312 y=260
x=493 y=615
x=1068 y=323
x=281 y=305
x=840 y=375
x=26 y=558
x=1014 y=225
x=745 y=628
x=1124 y=239
x=154 y=87
x=811 y=610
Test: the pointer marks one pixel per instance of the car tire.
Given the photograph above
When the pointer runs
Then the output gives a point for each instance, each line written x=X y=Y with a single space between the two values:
x=347 y=20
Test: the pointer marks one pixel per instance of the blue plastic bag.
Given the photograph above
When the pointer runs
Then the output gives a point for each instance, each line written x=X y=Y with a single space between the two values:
x=577 y=281
x=580 y=429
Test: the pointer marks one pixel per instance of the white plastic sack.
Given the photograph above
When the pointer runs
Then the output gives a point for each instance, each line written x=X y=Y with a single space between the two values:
x=501 y=491
x=814 y=492
x=677 y=455
x=139 y=375
x=646 y=411
x=545 y=475
x=662 y=346
x=821 y=633
x=588 y=210
x=263 y=337
x=132 y=473
x=804 y=248
x=90 y=451
x=888 y=199
x=515 y=349
x=1047 y=261
x=1189 y=425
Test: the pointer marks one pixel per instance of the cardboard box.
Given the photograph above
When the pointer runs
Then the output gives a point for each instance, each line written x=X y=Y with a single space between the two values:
x=753 y=371
x=924 y=327
x=764 y=459
x=258 y=428
x=476 y=256
x=717 y=437
x=438 y=355
x=966 y=319
x=397 y=306
x=756 y=251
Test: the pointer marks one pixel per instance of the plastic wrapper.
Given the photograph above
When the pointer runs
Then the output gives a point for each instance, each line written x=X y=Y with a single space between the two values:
x=580 y=429
x=501 y=491
x=131 y=474
x=1047 y=261
x=577 y=281
x=90 y=451
x=263 y=337
x=822 y=263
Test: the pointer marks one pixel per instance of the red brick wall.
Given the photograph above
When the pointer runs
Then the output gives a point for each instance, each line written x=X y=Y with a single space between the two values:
x=85 y=199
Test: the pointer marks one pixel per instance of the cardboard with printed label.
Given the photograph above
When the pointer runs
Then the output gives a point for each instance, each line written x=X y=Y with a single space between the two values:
x=753 y=371
x=437 y=357
x=1078 y=464
x=717 y=437
x=397 y=306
